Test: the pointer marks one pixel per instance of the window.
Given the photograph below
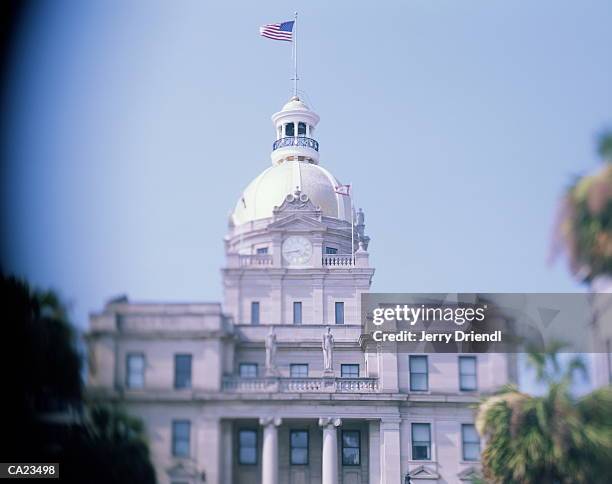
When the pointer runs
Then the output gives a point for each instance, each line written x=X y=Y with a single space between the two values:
x=331 y=250
x=419 y=380
x=349 y=371
x=248 y=370
x=339 y=313
x=247 y=447
x=298 y=370
x=470 y=442
x=298 y=442
x=301 y=129
x=421 y=441
x=297 y=312
x=182 y=371
x=135 y=365
x=181 y=430
x=351 y=448
x=262 y=250
x=467 y=373
x=255 y=312
x=289 y=129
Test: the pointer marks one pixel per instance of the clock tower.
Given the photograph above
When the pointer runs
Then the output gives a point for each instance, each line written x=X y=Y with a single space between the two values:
x=296 y=254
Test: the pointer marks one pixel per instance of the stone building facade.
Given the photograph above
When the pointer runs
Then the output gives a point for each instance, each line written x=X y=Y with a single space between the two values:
x=252 y=390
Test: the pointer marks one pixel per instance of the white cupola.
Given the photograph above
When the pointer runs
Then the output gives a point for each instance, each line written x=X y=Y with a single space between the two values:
x=295 y=125
x=295 y=165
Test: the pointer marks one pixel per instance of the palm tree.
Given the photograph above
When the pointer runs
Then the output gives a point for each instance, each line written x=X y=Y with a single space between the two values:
x=584 y=227
x=554 y=438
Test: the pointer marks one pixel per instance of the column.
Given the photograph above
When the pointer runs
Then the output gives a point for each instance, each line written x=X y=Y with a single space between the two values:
x=390 y=461
x=269 y=460
x=208 y=448
x=317 y=301
x=330 y=450
x=374 y=451
x=227 y=451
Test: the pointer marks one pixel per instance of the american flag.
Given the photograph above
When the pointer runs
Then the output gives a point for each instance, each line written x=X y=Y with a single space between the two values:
x=282 y=31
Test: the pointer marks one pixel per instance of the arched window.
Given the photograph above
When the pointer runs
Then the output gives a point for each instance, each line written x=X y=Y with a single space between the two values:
x=301 y=129
x=289 y=129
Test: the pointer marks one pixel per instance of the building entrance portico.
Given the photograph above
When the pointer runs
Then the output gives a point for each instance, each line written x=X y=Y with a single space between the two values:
x=274 y=450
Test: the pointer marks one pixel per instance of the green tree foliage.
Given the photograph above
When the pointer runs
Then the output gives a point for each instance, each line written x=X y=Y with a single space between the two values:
x=112 y=444
x=604 y=146
x=41 y=366
x=585 y=223
x=555 y=438
x=44 y=418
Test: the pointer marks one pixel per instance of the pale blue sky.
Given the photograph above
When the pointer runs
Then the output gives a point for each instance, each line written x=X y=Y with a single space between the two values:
x=134 y=126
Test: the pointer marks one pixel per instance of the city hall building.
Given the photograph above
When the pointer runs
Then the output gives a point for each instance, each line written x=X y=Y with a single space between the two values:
x=276 y=385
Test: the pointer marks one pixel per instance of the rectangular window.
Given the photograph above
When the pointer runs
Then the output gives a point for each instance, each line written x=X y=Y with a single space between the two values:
x=421 y=441
x=351 y=448
x=301 y=129
x=349 y=371
x=339 y=313
x=331 y=250
x=255 y=312
x=289 y=129
x=470 y=442
x=181 y=430
x=262 y=250
x=419 y=378
x=298 y=370
x=134 y=374
x=248 y=370
x=182 y=371
x=298 y=442
x=467 y=373
x=247 y=447
x=297 y=312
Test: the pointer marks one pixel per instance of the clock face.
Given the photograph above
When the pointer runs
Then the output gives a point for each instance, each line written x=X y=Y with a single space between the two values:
x=297 y=250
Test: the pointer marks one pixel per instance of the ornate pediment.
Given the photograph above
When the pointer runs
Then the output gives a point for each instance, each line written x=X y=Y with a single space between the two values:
x=470 y=474
x=422 y=472
x=297 y=222
x=297 y=202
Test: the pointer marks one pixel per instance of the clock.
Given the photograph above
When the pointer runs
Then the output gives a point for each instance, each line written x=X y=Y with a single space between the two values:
x=297 y=250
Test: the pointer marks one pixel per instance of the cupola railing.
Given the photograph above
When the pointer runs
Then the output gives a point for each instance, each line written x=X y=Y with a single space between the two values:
x=295 y=141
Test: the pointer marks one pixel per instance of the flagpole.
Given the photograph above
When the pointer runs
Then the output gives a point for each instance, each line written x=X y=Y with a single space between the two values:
x=295 y=71
x=352 y=227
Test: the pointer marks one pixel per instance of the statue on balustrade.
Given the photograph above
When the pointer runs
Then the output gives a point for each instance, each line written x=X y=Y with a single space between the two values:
x=271 y=352
x=328 y=350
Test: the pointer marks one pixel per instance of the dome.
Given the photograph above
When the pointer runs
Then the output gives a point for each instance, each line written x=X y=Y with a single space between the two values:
x=295 y=103
x=271 y=187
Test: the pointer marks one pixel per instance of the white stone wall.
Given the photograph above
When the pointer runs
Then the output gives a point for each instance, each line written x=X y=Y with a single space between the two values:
x=276 y=292
x=492 y=372
x=446 y=447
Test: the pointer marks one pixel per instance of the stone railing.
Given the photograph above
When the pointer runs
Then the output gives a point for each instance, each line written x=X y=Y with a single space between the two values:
x=357 y=385
x=338 y=260
x=295 y=141
x=249 y=260
x=300 y=385
x=249 y=385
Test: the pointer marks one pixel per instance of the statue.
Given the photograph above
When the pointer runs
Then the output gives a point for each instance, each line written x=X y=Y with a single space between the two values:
x=271 y=352
x=328 y=350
